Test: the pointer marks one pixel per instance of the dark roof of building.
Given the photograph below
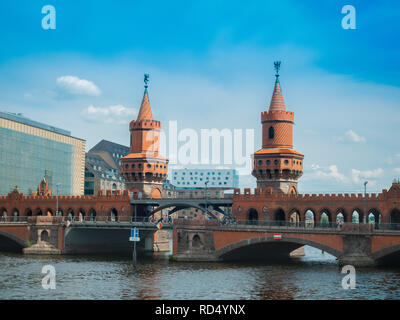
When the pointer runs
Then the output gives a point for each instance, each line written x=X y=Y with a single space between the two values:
x=101 y=169
x=116 y=151
x=111 y=147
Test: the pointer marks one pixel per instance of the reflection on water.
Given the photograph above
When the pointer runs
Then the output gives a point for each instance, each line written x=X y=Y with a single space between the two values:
x=316 y=276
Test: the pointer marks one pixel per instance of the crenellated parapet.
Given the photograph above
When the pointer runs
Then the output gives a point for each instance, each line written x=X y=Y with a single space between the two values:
x=144 y=124
x=267 y=116
x=268 y=194
x=267 y=205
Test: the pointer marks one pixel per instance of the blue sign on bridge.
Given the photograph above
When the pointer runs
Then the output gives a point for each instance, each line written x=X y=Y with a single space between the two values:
x=134 y=235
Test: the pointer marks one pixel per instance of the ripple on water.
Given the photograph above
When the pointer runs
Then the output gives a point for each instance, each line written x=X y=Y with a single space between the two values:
x=316 y=276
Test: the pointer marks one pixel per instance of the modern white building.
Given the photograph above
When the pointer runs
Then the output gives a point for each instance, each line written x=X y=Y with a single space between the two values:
x=196 y=178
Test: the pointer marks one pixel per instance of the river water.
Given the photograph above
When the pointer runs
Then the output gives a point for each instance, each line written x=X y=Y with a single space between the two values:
x=315 y=276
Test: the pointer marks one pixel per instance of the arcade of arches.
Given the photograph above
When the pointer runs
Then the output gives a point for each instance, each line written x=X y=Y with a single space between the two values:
x=264 y=206
x=311 y=216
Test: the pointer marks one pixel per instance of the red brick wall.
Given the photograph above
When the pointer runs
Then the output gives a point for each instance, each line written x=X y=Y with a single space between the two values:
x=21 y=232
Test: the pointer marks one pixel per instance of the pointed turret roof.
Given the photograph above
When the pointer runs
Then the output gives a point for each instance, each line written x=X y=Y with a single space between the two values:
x=277 y=102
x=145 y=112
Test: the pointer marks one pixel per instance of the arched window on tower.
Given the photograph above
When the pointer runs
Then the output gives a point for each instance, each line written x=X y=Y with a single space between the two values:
x=271 y=132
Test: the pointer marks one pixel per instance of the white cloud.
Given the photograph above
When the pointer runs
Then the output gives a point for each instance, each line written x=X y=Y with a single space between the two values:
x=117 y=114
x=333 y=173
x=397 y=170
x=330 y=173
x=351 y=136
x=358 y=175
x=74 y=86
x=315 y=166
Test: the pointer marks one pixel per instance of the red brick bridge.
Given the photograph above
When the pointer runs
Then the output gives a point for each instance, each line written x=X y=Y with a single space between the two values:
x=268 y=225
x=257 y=217
x=355 y=244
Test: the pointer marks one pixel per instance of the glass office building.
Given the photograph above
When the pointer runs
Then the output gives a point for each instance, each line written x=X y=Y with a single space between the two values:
x=30 y=150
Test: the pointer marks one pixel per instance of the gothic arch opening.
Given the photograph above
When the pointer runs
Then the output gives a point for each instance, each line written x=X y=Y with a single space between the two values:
x=374 y=217
x=81 y=214
x=70 y=214
x=325 y=218
x=309 y=218
x=252 y=216
x=44 y=236
x=92 y=214
x=196 y=242
x=279 y=216
x=15 y=214
x=357 y=216
x=395 y=219
x=114 y=214
x=38 y=212
x=294 y=218
x=28 y=212
x=341 y=215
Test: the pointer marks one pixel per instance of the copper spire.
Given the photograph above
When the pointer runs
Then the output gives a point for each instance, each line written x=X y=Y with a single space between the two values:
x=145 y=112
x=277 y=102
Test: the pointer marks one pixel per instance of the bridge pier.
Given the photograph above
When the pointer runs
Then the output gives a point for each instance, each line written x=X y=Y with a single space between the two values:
x=149 y=243
x=357 y=251
x=357 y=260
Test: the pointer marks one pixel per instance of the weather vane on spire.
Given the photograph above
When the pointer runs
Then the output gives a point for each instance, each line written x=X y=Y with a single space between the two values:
x=277 y=66
x=146 y=79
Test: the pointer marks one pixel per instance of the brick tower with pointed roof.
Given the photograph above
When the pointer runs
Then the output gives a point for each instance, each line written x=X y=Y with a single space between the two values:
x=277 y=166
x=143 y=169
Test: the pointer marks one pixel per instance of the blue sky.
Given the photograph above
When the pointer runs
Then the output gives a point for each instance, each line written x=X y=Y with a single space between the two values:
x=211 y=66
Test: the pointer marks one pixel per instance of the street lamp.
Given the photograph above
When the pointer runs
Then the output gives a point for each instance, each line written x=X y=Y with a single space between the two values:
x=365 y=201
x=57 y=185
x=206 y=196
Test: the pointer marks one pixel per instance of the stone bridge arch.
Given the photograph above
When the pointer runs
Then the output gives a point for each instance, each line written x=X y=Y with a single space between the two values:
x=234 y=251
x=388 y=253
x=11 y=242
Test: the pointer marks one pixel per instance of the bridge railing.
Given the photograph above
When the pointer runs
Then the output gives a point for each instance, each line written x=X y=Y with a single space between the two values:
x=77 y=219
x=12 y=219
x=348 y=227
x=115 y=219
x=32 y=219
